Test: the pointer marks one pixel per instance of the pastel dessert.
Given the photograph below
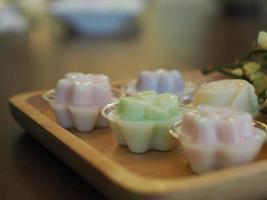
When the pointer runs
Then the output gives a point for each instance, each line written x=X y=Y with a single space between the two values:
x=229 y=92
x=217 y=137
x=141 y=122
x=162 y=81
x=79 y=99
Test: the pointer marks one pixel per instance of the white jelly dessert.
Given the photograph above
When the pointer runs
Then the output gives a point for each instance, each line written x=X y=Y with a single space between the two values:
x=217 y=137
x=141 y=122
x=79 y=98
x=229 y=92
x=162 y=81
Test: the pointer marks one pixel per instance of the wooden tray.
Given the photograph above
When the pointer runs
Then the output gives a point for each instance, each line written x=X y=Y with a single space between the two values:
x=119 y=174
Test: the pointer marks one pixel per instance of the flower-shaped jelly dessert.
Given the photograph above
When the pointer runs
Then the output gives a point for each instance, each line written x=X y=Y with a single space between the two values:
x=141 y=122
x=217 y=137
x=229 y=92
x=162 y=81
x=79 y=98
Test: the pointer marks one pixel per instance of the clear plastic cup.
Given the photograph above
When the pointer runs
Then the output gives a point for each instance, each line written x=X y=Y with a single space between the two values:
x=82 y=118
x=204 y=158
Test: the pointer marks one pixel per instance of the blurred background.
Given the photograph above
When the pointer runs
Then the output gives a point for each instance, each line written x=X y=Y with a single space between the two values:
x=41 y=40
x=48 y=38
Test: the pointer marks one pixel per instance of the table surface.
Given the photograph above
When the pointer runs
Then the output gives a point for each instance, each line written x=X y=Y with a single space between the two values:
x=170 y=34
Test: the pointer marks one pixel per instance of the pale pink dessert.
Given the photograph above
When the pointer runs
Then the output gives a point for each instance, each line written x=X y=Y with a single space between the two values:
x=217 y=137
x=79 y=99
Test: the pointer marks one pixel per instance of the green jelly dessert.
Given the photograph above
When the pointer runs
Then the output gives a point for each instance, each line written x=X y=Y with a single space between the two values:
x=142 y=122
x=148 y=106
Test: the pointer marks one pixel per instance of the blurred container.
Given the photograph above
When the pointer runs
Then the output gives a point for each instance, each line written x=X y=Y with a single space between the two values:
x=98 y=17
x=11 y=20
x=241 y=7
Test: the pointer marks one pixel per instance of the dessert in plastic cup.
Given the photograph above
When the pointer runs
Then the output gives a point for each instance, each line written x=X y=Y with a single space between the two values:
x=218 y=137
x=142 y=122
x=78 y=99
x=229 y=92
x=162 y=81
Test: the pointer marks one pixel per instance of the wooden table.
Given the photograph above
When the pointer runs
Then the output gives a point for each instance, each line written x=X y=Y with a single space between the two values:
x=172 y=34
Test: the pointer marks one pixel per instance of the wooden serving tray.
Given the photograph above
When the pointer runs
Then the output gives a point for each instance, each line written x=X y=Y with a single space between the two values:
x=119 y=174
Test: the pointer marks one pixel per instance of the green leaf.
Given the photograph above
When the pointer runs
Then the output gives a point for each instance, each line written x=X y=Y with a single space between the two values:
x=254 y=52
